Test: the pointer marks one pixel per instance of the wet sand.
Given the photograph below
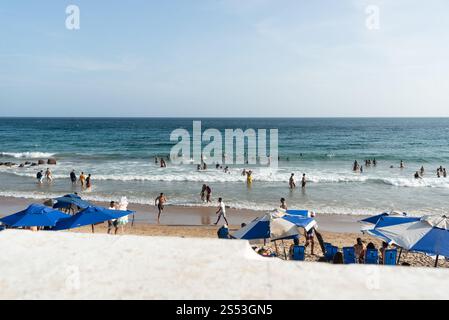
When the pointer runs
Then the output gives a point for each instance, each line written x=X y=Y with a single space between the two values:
x=197 y=216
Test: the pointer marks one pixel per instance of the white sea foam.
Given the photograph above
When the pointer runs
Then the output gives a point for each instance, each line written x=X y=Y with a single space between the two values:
x=27 y=155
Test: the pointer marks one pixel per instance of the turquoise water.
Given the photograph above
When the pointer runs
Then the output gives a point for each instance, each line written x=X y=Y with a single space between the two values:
x=119 y=153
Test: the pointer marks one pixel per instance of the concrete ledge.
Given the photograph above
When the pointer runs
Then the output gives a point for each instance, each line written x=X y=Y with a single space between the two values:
x=64 y=265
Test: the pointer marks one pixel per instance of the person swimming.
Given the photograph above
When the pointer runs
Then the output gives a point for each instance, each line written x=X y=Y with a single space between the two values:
x=303 y=180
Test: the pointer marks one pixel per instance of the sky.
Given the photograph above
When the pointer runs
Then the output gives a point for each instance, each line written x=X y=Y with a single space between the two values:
x=230 y=58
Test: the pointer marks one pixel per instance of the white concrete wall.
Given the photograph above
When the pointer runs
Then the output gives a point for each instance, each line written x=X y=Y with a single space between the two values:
x=48 y=265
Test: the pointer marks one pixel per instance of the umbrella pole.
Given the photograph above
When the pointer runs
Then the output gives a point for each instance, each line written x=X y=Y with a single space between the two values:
x=132 y=222
x=285 y=252
x=436 y=261
x=399 y=258
x=276 y=246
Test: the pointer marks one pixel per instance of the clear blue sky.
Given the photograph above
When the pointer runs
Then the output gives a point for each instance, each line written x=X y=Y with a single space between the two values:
x=224 y=58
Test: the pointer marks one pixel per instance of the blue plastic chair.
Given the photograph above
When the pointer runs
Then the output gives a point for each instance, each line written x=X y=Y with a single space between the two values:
x=298 y=253
x=390 y=257
x=330 y=251
x=223 y=233
x=349 y=255
x=372 y=256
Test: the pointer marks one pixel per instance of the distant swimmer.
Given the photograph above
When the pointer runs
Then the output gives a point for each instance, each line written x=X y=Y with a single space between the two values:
x=438 y=173
x=361 y=169
x=303 y=180
x=155 y=160
x=82 y=179
x=283 y=204
x=163 y=164
x=401 y=165
x=374 y=162
x=221 y=211
x=73 y=177
x=444 y=173
x=291 y=181
x=159 y=202
x=48 y=175
x=244 y=172
x=355 y=167
x=417 y=175
x=40 y=176
x=422 y=170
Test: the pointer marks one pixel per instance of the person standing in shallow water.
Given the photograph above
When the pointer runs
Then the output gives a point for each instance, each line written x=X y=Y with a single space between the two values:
x=82 y=179
x=291 y=181
x=73 y=177
x=283 y=204
x=303 y=181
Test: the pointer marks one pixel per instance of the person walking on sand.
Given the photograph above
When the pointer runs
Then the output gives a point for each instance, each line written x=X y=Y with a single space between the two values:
x=82 y=179
x=159 y=202
x=291 y=181
x=283 y=204
x=48 y=175
x=73 y=177
x=112 y=223
x=303 y=181
x=221 y=211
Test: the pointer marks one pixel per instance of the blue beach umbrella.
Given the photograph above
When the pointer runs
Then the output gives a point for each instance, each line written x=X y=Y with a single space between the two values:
x=36 y=215
x=70 y=200
x=303 y=213
x=277 y=226
x=90 y=215
x=429 y=234
x=369 y=223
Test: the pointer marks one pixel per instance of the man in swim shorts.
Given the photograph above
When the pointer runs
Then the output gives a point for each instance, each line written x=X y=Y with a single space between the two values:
x=159 y=202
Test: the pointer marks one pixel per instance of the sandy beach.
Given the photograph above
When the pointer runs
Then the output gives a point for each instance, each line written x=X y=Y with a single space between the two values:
x=196 y=222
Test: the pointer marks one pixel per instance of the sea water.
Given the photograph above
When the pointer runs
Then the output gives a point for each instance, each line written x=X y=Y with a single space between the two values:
x=119 y=153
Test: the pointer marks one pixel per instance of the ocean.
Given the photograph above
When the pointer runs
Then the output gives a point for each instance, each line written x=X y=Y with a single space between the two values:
x=119 y=153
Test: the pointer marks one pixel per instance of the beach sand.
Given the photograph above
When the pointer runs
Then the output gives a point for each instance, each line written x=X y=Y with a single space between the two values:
x=195 y=222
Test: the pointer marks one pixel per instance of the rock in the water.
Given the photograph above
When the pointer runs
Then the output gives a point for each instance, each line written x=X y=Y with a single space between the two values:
x=27 y=163
x=40 y=161
x=33 y=164
x=21 y=165
x=51 y=161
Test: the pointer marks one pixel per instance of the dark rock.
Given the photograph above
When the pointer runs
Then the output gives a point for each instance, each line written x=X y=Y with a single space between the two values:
x=27 y=163
x=33 y=164
x=51 y=161
x=40 y=161
x=21 y=165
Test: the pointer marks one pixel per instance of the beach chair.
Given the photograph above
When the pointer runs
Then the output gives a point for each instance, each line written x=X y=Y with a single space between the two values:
x=349 y=255
x=372 y=256
x=298 y=253
x=330 y=251
x=390 y=257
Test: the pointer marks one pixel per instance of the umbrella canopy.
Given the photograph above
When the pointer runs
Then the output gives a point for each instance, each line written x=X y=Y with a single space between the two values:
x=370 y=223
x=90 y=215
x=70 y=200
x=429 y=234
x=36 y=215
x=374 y=219
x=303 y=213
x=275 y=225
